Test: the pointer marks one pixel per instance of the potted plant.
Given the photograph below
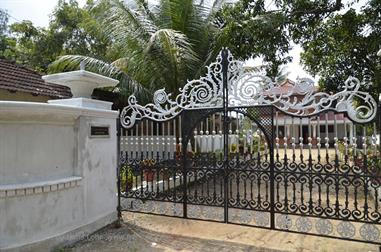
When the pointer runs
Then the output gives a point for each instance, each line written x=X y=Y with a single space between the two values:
x=148 y=172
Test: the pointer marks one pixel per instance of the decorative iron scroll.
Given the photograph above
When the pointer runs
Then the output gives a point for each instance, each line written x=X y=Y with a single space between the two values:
x=246 y=88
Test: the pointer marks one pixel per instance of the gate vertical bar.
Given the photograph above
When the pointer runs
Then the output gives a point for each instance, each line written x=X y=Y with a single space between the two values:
x=225 y=129
x=379 y=129
x=272 y=176
x=184 y=153
x=118 y=166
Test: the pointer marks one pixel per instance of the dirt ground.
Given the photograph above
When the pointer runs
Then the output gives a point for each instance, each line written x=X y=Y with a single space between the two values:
x=142 y=232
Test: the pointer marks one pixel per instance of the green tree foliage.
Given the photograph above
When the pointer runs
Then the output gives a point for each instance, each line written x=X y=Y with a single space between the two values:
x=72 y=30
x=7 y=44
x=161 y=46
x=150 y=46
x=253 y=28
x=338 y=41
x=346 y=45
x=28 y=49
x=4 y=17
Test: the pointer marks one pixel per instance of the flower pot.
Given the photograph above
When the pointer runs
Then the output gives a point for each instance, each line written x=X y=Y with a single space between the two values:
x=149 y=175
x=359 y=162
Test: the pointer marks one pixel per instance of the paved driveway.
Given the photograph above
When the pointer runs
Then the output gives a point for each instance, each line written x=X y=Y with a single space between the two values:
x=134 y=238
x=143 y=232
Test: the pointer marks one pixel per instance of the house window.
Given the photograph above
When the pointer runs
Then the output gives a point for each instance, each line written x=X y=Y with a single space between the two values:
x=330 y=129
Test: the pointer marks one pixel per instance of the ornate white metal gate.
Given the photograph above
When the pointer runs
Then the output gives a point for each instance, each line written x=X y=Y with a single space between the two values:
x=236 y=147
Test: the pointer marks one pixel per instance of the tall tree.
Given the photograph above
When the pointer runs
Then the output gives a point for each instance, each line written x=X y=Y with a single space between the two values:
x=7 y=44
x=254 y=28
x=161 y=45
x=338 y=41
x=71 y=30
x=346 y=45
x=4 y=18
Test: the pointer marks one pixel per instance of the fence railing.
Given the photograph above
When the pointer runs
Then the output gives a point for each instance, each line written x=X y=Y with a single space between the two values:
x=329 y=132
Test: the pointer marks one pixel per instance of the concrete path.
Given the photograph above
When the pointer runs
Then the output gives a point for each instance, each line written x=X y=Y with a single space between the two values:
x=133 y=238
x=142 y=232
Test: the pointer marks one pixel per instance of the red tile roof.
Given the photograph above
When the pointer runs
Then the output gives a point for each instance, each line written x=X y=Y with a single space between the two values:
x=331 y=116
x=14 y=77
x=285 y=87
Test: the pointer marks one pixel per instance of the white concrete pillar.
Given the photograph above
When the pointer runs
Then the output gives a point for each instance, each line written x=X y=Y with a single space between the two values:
x=58 y=166
x=55 y=164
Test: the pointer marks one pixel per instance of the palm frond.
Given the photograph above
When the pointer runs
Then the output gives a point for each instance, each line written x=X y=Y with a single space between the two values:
x=173 y=48
x=71 y=62
x=216 y=6
x=143 y=5
x=121 y=63
x=123 y=20
x=254 y=69
x=161 y=45
x=163 y=14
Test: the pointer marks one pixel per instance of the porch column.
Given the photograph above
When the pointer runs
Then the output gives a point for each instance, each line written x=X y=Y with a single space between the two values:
x=350 y=132
x=287 y=133
x=314 y=140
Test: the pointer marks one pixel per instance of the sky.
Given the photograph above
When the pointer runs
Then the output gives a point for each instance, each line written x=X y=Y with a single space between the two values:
x=38 y=12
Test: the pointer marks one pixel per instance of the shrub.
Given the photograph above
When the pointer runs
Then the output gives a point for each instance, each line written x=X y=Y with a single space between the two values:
x=126 y=177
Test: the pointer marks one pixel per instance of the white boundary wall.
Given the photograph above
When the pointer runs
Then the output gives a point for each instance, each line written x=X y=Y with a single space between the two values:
x=57 y=183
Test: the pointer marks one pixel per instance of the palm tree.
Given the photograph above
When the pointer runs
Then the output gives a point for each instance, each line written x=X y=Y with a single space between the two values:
x=162 y=45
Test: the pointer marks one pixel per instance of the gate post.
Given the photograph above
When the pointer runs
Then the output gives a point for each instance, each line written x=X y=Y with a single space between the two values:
x=225 y=100
x=118 y=165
